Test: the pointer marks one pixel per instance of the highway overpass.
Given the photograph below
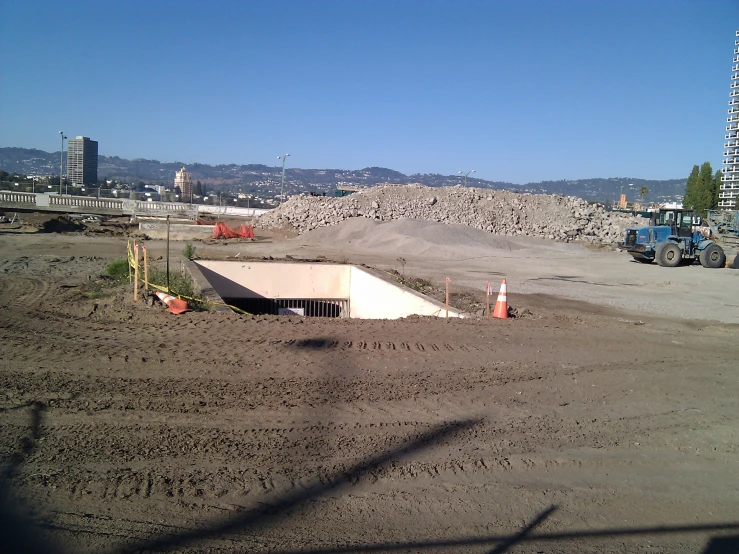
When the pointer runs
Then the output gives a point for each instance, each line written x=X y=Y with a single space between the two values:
x=39 y=202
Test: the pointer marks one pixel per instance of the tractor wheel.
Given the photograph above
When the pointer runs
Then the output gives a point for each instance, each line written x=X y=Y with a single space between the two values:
x=735 y=263
x=669 y=255
x=712 y=256
x=658 y=251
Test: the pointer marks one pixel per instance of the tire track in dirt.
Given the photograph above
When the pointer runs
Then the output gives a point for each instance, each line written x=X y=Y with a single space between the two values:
x=163 y=482
x=513 y=444
x=20 y=293
x=172 y=418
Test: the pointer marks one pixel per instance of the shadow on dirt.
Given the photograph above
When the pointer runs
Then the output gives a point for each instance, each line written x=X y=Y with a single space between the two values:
x=62 y=224
x=22 y=533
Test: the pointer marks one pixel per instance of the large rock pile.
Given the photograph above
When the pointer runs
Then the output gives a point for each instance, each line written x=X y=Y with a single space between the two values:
x=500 y=212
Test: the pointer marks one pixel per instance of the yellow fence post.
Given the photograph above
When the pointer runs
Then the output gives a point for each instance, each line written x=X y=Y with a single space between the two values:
x=135 y=272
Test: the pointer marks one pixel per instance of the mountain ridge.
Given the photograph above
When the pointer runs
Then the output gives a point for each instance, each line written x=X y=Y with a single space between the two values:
x=263 y=178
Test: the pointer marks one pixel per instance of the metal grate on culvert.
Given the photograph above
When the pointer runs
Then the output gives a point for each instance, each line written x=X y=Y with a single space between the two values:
x=292 y=306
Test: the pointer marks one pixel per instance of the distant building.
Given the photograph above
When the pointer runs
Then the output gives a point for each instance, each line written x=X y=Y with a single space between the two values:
x=183 y=179
x=82 y=161
x=730 y=186
x=145 y=192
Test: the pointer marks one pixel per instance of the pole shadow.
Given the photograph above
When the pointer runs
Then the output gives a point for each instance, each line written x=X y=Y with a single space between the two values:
x=21 y=534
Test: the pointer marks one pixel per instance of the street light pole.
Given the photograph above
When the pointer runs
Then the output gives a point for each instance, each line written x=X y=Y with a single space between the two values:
x=465 y=175
x=282 y=186
x=61 y=162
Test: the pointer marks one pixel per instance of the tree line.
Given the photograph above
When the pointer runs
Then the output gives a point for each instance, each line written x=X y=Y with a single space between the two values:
x=703 y=189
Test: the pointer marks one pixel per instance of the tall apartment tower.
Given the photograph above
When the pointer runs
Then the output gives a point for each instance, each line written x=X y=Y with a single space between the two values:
x=183 y=179
x=730 y=185
x=82 y=161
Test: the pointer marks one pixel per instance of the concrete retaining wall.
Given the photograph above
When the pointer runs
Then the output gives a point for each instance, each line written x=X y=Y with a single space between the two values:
x=371 y=295
x=277 y=279
x=204 y=288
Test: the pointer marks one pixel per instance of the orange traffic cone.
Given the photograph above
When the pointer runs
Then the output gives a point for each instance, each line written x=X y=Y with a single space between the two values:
x=501 y=305
x=175 y=305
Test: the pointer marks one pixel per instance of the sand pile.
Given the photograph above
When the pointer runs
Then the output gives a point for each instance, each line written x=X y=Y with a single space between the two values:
x=415 y=237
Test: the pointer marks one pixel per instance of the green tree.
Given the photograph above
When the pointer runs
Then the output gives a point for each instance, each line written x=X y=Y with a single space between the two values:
x=702 y=190
x=718 y=178
x=197 y=189
x=643 y=191
x=705 y=187
x=691 y=189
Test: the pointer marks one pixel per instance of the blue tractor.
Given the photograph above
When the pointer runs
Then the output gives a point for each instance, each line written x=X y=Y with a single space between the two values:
x=670 y=240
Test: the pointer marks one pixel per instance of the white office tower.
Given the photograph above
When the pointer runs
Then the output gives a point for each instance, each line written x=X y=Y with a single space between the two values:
x=730 y=185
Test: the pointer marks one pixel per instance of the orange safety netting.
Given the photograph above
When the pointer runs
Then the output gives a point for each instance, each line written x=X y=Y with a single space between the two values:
x=221 y=230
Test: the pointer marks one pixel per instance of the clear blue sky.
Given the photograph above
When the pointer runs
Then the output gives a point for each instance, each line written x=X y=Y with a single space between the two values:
x=520 y=90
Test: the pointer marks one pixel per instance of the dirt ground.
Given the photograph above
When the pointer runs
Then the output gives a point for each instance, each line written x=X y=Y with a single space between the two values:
x=582 y=428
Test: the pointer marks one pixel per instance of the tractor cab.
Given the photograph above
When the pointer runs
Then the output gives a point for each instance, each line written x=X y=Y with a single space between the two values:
x=679 y=221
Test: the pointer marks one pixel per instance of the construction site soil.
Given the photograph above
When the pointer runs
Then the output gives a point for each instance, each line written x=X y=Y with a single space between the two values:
x=579 y=428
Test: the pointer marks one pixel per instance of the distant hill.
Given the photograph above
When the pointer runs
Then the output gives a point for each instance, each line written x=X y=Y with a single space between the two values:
x=265 y=179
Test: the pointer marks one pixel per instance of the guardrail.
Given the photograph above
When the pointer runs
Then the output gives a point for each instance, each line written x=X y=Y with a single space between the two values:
x=17 y=197
x=231 y=210
x=138 y=208
x=83 y=202
x=114 y=206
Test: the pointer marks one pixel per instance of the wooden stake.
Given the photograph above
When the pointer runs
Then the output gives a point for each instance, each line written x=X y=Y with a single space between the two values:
x=487 y=297
x=129 y=261
x=448 y=280
x=168 y=255
x=146 y=271
x=136 y=272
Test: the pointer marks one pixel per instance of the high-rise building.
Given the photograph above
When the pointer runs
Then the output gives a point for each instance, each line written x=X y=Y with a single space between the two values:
x=730 y=186
x=82 y=161
x=183 y=179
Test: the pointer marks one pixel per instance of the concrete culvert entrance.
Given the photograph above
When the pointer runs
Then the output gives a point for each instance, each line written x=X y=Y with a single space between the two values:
x=316 y=290
x=291 y=306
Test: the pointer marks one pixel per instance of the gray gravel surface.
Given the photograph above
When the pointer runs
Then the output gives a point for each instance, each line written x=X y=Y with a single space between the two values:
x=500 y=212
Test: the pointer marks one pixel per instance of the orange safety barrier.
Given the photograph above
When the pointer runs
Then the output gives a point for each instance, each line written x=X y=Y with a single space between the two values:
x=221 y=230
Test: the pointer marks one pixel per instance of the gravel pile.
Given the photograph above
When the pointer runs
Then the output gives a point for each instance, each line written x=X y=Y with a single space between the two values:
x=500 y=212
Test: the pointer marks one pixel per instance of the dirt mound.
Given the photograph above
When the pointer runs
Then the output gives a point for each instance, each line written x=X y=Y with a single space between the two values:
x=62 y=224
x=416 y=237
x=553 y=217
